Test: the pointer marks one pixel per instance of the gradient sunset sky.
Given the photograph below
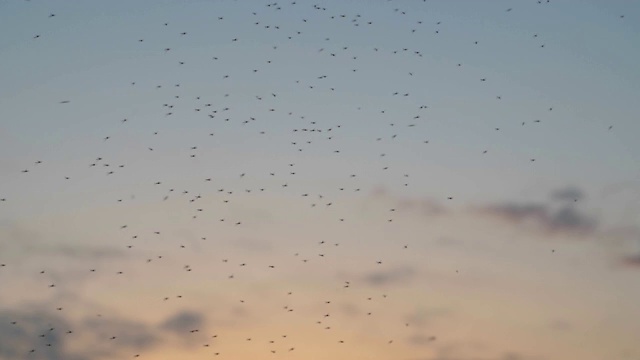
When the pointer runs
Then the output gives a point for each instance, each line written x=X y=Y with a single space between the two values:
x=362 y=180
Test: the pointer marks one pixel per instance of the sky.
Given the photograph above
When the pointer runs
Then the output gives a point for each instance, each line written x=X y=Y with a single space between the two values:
x=412 y=180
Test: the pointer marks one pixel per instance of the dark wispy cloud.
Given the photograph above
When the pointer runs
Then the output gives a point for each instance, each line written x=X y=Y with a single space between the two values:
x=252 y=245
x=38 y=334
x=129 y=334
x=624 y=242
x=569 y=193
x=183 y=322
x=77 y=251
x=563 y=219
x=349 y=309
x=425 y=206
x=560 y=325
x=22 y=241
x=21 y=332
x=632 y=261
x=35 y=333
x=421 y=340
x=505 y=356
x=396 y=276
x=425 y=317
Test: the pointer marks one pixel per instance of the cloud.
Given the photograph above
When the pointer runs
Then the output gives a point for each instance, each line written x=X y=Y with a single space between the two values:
x=17 y=340
x=568 y=218
x=25 y=329
x=424 y=317
x=423 y=206
x=390 y=277
x=129 y=334
x=22 y=241
x=421 y=340
x=349 y=309
x=560 y=325
x=505 y=356
x=518 y=212
x=252 y=245
x=184 y=322
x=78 y=251
x=564 y=219
x=569 y=193
x=553 y=218
x=632 y=261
